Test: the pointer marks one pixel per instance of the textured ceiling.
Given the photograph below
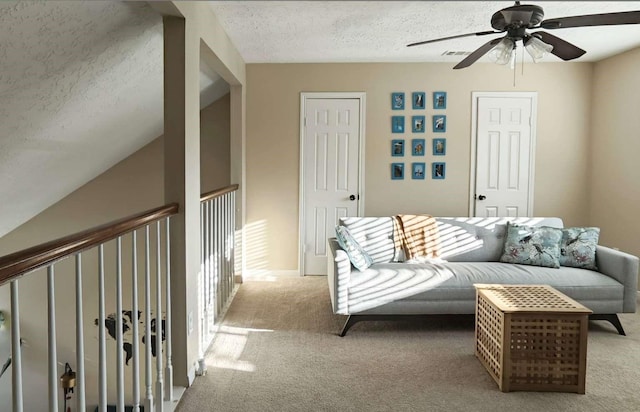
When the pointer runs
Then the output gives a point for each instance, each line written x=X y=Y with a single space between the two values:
x=81 y=87
x=80 y=90
x=378 y=31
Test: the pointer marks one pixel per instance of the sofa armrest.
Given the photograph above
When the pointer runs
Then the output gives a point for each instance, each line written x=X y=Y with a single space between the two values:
x=623 y=267
x=338 y=275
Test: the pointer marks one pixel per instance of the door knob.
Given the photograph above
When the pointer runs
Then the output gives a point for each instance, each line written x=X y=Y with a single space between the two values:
x=482 y=197
x=352 y=197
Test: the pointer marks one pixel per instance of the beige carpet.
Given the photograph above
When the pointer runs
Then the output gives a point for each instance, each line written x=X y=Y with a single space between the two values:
x=278 y=350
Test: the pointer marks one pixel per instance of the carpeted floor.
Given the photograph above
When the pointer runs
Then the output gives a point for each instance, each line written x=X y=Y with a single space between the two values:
x=278 y=350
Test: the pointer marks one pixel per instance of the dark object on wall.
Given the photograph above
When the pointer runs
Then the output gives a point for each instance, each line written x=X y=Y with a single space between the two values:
x=110 y=323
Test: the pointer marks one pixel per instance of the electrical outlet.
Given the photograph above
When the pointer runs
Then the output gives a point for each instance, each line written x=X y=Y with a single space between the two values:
x=190 y=323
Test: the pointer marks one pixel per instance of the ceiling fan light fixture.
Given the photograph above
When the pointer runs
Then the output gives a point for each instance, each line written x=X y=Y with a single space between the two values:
x=501 y=54
x=536 y=48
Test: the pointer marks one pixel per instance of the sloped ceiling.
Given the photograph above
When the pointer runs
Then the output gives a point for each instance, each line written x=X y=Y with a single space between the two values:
x=80 y=89
x=81 y=86
x=378 y=31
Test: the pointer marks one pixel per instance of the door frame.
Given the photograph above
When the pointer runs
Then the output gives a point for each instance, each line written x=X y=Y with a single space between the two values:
x=475 y=96
x=361 y=96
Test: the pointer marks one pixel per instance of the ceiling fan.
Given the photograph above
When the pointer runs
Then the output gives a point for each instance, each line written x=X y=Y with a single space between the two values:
x=517 y=19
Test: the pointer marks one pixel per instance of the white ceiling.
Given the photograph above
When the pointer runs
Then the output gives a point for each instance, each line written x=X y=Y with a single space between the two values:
x=378 y=31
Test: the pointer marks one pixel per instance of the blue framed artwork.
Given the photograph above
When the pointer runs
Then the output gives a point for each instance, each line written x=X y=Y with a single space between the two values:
x=417 y=100
x=397 y=101
x=397 y=147
x=397 y=171
x=439 y=147
x=439 y=100
x=417 y=170
x=438 y=170
x=417 y=147
x=397 y=124
x=417 y=124
x=439 y=124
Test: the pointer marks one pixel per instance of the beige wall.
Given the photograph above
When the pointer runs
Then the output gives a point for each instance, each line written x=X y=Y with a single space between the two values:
x=615 y=175
x=215 y=160
x=273 y=133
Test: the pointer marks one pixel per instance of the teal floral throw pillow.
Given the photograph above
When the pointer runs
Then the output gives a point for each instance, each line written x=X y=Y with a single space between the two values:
x=578 y=247
x=358 y=257
x=532 y=245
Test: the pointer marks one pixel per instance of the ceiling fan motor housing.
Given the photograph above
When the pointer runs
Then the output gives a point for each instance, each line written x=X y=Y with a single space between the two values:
x=520 y=16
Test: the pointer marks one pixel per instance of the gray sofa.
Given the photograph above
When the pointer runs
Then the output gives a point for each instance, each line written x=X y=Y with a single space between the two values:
x=471 y=250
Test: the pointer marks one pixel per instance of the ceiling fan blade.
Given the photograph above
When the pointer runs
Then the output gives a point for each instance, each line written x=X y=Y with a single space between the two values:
x=606 y=19
x=561 y=48
x=479 y=52
x=480 y=33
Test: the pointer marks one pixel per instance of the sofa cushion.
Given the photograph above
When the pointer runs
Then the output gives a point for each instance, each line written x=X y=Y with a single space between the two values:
x=530 y=245
x=480 y=239
x=450 y=285
x=375 y=235
x=578 y=247
x=358 y=257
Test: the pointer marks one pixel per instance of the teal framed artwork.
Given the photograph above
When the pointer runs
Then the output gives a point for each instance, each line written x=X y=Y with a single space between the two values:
x=397 y=147
x=439 y=100
x=417 y=100
x=439 y=124
x=397 y=171
x=417 y=147
x=397 y=124
x=417 y=124
x=438 y=170
x=417 y=170
x=439 y=147
x=397 y=101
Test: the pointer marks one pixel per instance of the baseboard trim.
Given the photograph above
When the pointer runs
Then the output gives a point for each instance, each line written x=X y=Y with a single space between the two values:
x=191 y=374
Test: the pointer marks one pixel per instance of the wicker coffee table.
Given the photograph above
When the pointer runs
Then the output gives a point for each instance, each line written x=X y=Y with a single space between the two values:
x=531 y=338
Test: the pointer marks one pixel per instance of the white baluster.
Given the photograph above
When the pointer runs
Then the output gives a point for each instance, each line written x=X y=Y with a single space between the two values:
x=228 y=246
x=203 y=271
x=134 y=323
x=159 y=380
x=211 y=301
x=218 y=241
x=16 y=351
x=206 y=281
x=148 y=401
x=119 y=337
x=81 y=403
x=102 y=347
x=233 y=237
x=223 y=250
x=168 y=394
x=53 y=360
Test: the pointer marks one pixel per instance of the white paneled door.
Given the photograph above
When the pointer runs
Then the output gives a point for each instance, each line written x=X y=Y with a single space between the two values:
x=504 y=155
x=331 y=181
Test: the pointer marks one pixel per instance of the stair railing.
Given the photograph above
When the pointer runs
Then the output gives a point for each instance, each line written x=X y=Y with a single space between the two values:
x=217 y=218
x=16 y=265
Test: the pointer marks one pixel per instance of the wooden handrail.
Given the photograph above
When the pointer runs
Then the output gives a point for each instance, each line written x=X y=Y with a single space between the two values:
x=16 y=264
x=218 y=192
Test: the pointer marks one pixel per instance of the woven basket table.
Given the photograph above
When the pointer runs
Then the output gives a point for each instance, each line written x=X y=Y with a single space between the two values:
x=531 y=338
